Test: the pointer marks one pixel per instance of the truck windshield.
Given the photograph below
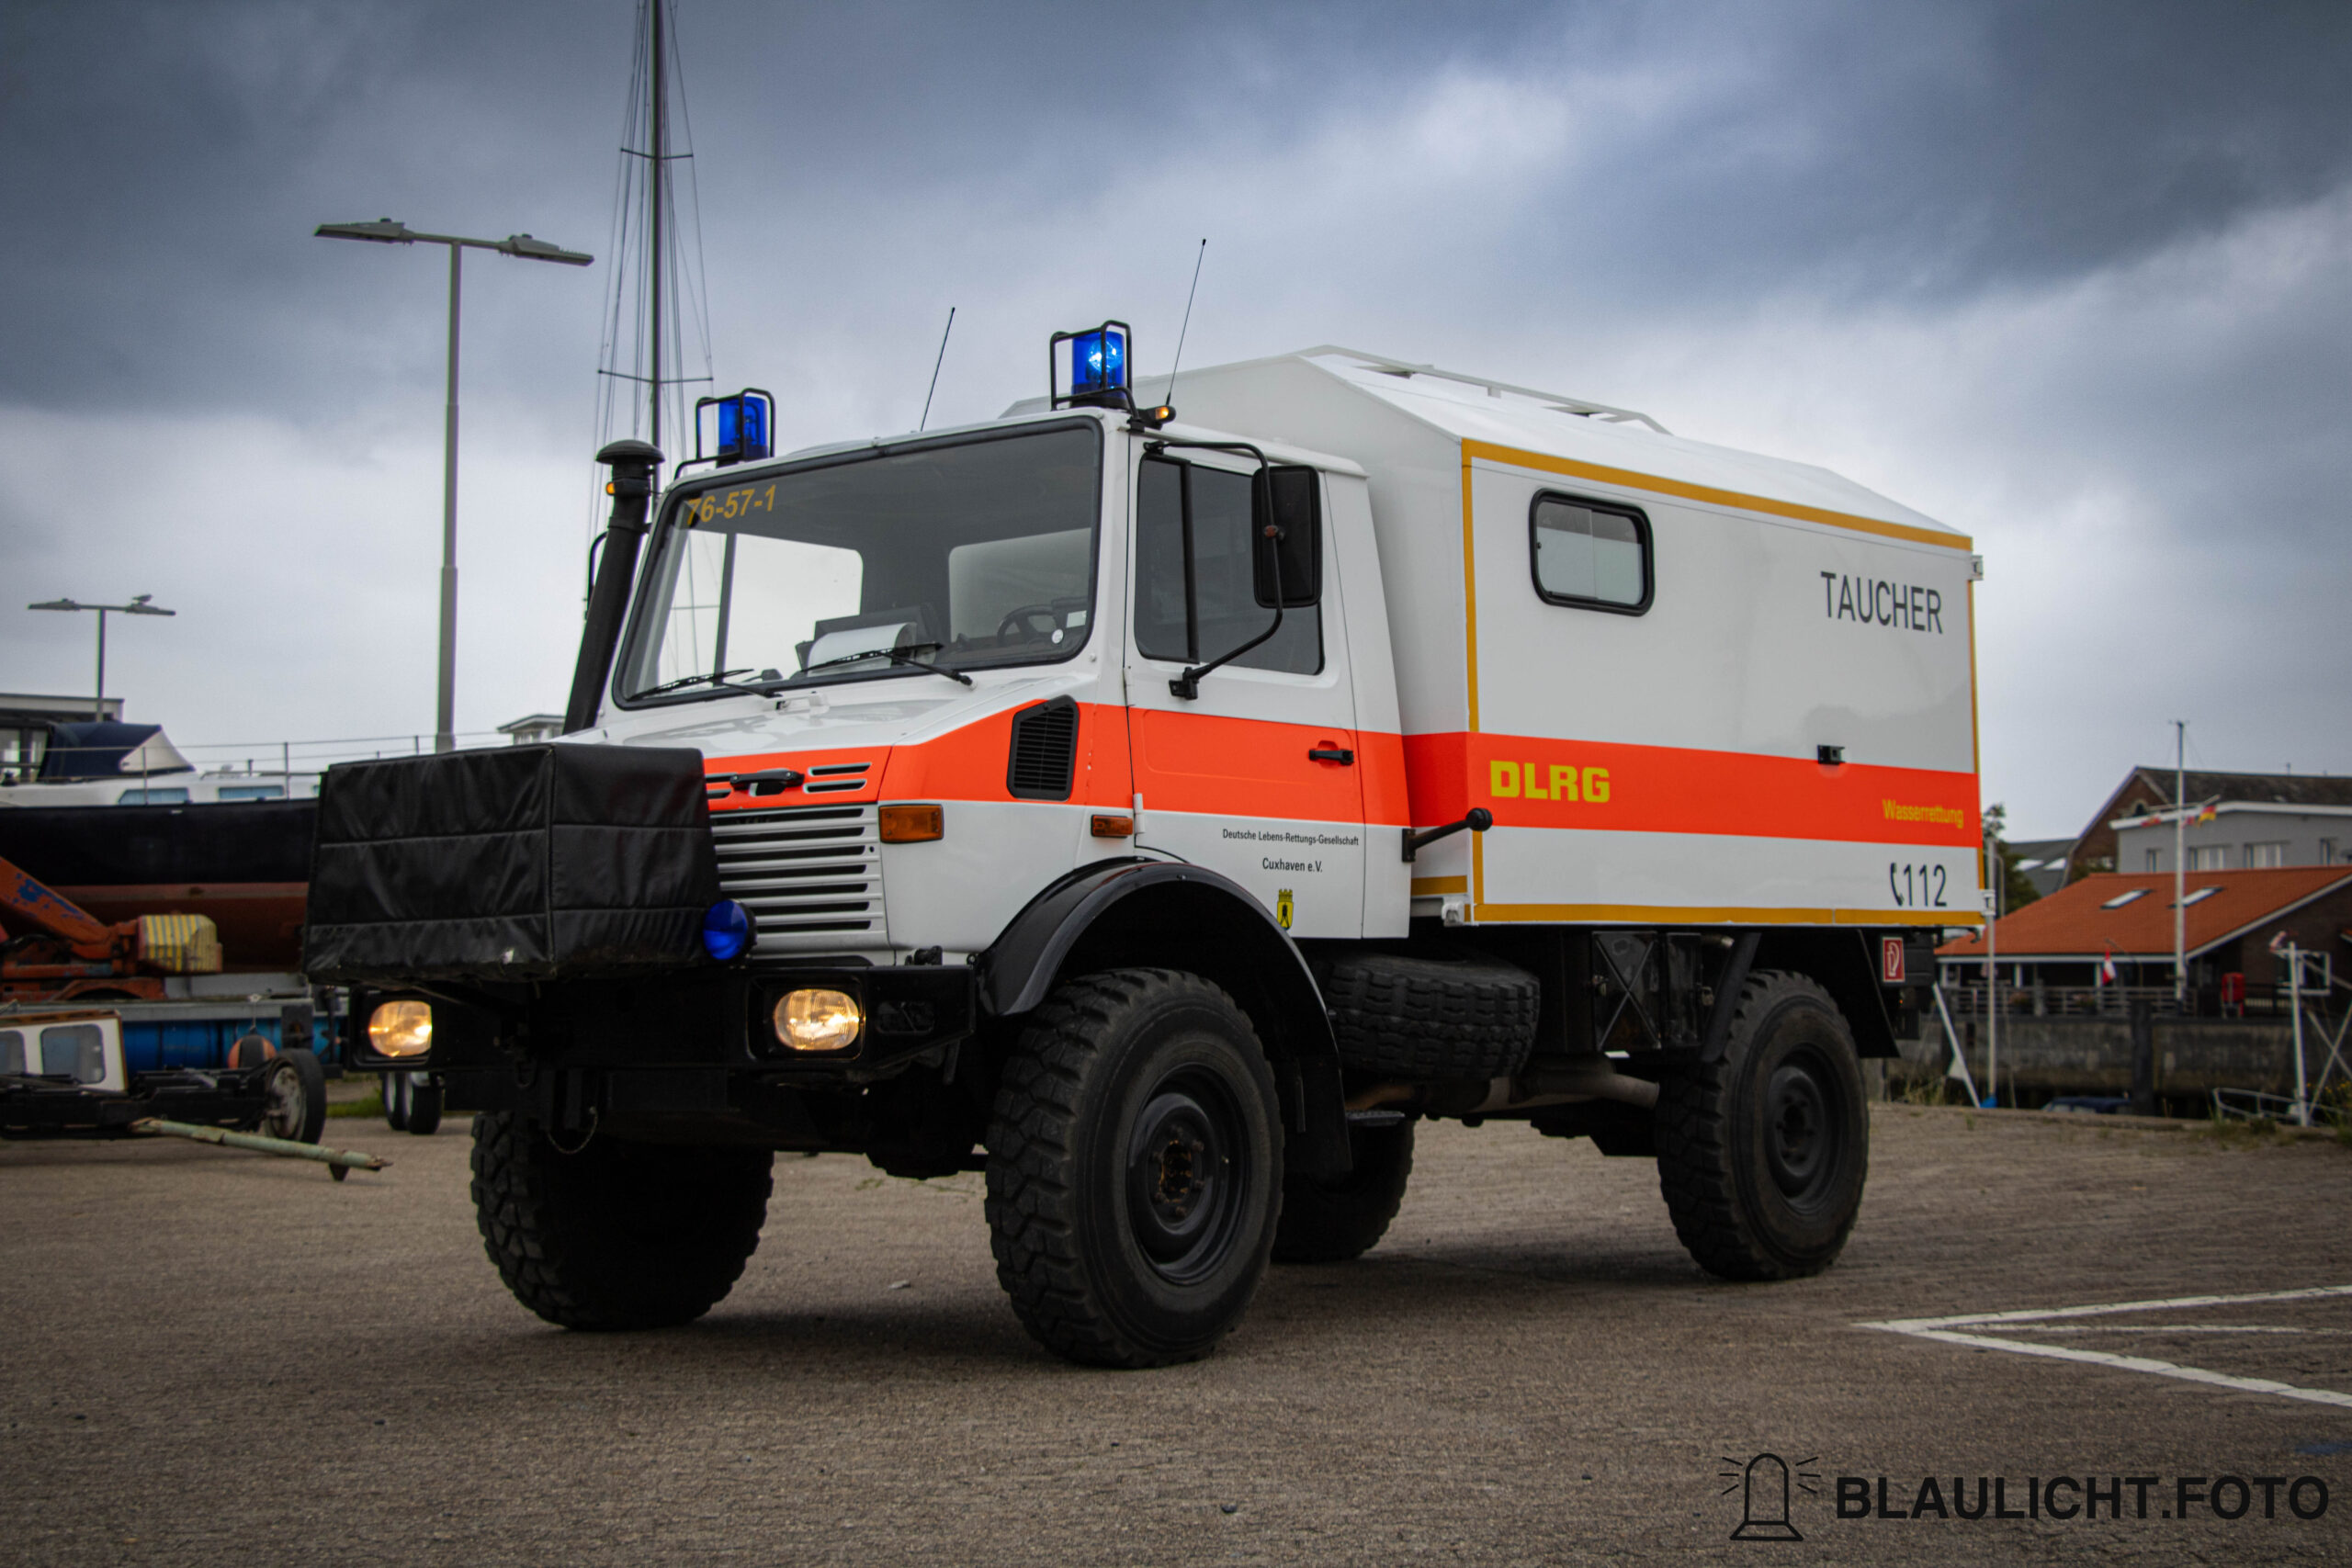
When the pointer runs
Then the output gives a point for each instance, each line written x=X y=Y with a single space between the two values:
x=967 y=556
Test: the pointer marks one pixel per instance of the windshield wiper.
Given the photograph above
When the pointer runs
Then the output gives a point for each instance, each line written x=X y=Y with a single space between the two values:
x=895 y=657
x=716 y=678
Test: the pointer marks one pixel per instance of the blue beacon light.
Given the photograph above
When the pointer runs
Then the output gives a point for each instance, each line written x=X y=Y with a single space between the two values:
x=746 y=427
x=1098 y=361
x=725 y=930
x=743 y=427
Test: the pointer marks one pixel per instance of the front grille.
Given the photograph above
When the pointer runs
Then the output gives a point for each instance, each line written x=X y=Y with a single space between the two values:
x=811 y=870
x=828 y=778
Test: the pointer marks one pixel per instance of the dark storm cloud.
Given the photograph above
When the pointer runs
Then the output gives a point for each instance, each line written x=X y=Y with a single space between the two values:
x=162 y=162
x=2069 y=276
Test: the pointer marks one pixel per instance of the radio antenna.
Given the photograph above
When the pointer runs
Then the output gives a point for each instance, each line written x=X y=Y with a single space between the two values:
x=935 y=371
x=1199 y=257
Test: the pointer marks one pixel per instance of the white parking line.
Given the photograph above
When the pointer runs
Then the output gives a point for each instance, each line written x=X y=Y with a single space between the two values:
x=1947 y=1329
x=2166 y=1328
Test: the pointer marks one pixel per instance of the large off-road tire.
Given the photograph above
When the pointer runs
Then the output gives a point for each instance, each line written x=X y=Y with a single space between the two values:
x=1432 y=1018
x=396 y=1101
x=1333 y=1221
x=1763 y=1155
x=294 y=1089
x=619 y=1235
x=1134 y=1170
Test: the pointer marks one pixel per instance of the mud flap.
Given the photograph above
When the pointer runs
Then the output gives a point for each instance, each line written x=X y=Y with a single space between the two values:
x=1318 y=1145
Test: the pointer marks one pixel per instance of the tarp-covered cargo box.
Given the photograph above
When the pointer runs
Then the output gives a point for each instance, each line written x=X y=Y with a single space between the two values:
x=525 y=863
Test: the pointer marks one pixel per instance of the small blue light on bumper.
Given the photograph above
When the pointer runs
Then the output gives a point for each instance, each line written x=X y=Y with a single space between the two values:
x=725 y=930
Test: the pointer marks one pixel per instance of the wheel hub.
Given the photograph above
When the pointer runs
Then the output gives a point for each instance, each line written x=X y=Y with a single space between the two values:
x=1798 y=1142
x=1184 y=1199
x=282 y=1106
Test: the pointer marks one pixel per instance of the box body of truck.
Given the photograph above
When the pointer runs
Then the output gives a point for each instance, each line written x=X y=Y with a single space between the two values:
x=1466 y=750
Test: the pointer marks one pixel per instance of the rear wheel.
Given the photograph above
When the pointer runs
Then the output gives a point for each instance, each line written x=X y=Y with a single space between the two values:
x=614 y=1234
x=1762 y=1155
x=1332 y=1222
x=396 y=1101
x=1134 y=1168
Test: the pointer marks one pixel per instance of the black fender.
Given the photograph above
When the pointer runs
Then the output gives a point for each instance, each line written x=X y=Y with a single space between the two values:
x=1166 y=914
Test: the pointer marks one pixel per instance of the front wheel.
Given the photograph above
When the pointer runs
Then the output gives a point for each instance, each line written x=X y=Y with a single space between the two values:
x=1133 y=1169
x=611 y=1234
x=1762 y=1153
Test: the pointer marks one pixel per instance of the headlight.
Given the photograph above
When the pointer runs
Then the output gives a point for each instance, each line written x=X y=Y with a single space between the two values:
x=819 y=1021
x=401 y=1029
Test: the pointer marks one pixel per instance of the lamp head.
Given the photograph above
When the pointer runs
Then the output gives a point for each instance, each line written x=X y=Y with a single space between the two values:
x=539 y=250
x=383 y=231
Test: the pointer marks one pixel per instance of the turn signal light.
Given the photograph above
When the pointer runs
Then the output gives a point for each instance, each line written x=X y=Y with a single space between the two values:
x=912 y=824
x=818 y=1020
x=1115 y=827
x=401 y=1029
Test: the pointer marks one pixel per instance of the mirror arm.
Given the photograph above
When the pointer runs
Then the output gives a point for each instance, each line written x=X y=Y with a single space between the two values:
x=1188 y=684
x=1159 y=444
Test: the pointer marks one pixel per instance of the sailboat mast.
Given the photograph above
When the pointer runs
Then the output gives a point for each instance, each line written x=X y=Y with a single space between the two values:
x=657 y=231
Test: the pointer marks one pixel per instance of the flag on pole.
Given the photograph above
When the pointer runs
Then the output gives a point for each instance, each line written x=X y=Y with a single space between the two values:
x=2206 y=813
x=2106 y=965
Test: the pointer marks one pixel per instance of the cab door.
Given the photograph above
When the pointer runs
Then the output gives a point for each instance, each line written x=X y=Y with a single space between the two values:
x=1256 y=777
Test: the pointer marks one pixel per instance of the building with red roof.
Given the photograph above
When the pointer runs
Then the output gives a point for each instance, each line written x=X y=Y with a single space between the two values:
x=2233 y=917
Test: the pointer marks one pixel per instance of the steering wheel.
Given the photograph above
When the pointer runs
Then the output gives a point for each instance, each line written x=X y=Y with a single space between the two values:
x=1023 y=620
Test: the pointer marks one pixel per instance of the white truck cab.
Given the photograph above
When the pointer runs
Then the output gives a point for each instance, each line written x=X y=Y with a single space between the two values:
x=1163 y=813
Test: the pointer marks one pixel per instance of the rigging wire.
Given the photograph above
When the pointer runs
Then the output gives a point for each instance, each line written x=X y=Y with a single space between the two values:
x=626 y=379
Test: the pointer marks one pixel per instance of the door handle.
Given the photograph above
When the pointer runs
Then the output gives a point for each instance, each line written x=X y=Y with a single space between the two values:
x=1339 y=754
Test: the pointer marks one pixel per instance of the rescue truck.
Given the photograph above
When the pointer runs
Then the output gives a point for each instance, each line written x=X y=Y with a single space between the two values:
x=1164 y=816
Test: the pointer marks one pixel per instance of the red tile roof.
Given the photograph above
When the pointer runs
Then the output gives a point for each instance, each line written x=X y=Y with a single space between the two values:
x=2074 y=923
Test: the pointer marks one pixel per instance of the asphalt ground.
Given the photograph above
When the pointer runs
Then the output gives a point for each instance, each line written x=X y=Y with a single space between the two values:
x=214 y=1357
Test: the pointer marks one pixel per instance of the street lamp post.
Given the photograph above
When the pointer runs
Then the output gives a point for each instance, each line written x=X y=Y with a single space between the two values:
x=385 y=231
x=138 y=606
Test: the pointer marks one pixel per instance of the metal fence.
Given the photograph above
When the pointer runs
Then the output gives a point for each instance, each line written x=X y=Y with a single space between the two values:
x=1970 y=1000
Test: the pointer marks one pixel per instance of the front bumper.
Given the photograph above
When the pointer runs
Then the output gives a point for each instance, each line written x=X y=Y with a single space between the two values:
x=699 y=1022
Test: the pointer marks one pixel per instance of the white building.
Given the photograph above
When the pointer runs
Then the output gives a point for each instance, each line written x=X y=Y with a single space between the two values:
x=2241 y=822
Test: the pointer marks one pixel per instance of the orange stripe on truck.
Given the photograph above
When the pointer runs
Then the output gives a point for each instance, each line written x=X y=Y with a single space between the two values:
x=1244 y=767
x=1205 y=764
x=1532 y=782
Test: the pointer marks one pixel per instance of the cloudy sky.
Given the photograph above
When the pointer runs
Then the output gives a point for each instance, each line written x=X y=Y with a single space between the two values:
x=2070 y=276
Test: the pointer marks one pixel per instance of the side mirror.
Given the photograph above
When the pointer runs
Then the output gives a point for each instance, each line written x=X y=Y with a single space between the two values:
x=1289 y=499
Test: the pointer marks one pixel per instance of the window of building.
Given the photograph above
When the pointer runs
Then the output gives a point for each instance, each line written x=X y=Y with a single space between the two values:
x=2123 y=898
x=2328 y=854
x=1591 y=553
x=2260 y=857
x=1195 y=594
x=2200 y=895
x=2209 y=857
x=2155 y=860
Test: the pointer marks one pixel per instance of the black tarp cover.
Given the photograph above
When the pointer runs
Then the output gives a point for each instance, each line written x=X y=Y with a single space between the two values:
x=94 y=750
x=523 y=862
